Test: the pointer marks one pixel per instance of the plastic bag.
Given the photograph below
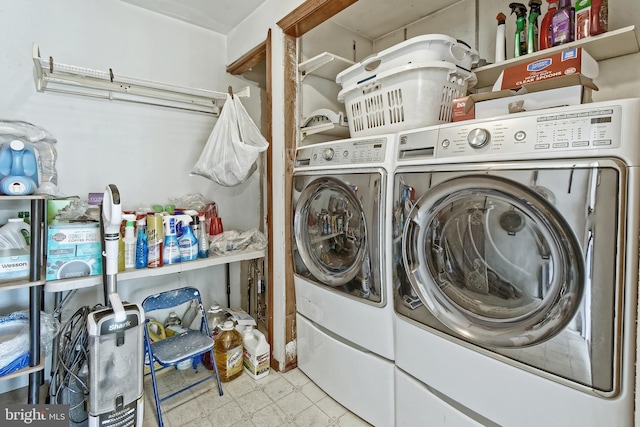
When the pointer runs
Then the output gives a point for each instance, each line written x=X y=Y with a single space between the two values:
x=14 y=339
x=229 y=155
x=231 y=241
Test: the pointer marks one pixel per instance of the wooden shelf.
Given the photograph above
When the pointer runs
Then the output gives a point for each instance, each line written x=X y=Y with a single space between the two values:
x=612 y=44
x=130 y=274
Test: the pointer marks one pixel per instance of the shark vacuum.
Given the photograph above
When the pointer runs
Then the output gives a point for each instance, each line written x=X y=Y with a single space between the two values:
x=115 y=339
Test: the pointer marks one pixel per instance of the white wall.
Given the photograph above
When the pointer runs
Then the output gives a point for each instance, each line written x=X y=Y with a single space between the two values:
x=146 y=151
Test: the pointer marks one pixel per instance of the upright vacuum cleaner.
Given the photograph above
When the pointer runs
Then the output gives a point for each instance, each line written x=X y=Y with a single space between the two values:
x=116 y=349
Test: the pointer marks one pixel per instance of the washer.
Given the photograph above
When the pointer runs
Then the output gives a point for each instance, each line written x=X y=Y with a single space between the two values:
x=340 y=251
x=516 y=269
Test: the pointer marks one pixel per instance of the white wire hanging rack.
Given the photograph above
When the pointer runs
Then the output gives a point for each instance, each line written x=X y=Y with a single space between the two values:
x=70 y=79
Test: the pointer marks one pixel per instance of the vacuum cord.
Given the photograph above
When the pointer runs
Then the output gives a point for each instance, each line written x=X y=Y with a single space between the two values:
x=72 y=369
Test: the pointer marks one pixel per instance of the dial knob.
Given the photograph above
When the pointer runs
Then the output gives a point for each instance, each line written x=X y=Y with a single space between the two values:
x=327 y=153
x=478 y=137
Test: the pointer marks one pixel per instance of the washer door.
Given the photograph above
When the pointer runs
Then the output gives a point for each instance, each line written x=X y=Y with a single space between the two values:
x=493 y=261
x=330 y=231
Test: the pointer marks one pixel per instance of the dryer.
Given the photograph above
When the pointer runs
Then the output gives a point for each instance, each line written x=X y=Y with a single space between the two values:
x=341 y=249
x=516 y=269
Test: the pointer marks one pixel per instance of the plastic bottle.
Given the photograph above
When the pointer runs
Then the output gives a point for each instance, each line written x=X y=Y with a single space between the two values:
x=191 y=313
x=188 y=242
x=17 y=233
x=520 y=37
x=591 y=18
x=228 y=350
x=501 y=43
x=256 y=355
x=599 y=17
x=171 y=251
x=546 y=30
x=563 y=23
x=129 y=245
x=18 y=168
x=25 y=215
x=155 y=240
x=532 y=35
x=142 y=246
x=203 y=238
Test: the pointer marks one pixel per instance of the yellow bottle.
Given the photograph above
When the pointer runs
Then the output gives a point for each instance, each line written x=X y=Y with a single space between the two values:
x=227 y=350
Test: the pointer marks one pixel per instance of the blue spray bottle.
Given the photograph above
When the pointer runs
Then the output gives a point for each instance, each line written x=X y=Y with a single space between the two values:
x=188 y=242
x=171 y=251
x=142 y=244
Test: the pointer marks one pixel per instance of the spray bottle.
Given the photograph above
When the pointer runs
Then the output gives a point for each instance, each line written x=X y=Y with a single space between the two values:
x=188 y=242
x=142 y=245
x=532 y=36
x=501 y=45
x=203 y=238
x=171 y=250
x=546 y=30
x=520 y=40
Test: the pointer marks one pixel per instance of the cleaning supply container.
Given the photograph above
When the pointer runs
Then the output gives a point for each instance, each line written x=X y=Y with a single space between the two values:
x=256 y=357
x=408 y=96
x=227 y=350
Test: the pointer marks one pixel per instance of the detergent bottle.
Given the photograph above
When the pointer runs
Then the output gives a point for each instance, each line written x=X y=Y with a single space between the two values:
x=18 y=168
x=228 y=352
x=171 y=250
x=188 y=242
x=546 y=30
x=256 y=358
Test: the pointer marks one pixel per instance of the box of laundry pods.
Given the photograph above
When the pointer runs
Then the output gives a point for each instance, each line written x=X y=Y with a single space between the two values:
x=74 y=249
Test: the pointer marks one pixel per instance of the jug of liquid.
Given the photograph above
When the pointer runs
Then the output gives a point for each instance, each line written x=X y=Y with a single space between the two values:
x=18 y=168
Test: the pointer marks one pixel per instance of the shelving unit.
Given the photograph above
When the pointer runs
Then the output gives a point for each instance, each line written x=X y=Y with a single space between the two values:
x=35 y=284
x=623 y=41
x=324 y=121
x=131 y=274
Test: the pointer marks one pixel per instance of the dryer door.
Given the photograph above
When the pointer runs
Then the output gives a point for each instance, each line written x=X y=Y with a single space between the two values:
x=493 y=260
x=333 y=232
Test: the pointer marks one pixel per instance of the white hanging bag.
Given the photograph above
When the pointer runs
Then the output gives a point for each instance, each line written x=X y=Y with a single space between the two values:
x=232 y=149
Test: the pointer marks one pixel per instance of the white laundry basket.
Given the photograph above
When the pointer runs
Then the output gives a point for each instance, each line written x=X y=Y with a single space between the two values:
x=419 y=49
x=405 y=97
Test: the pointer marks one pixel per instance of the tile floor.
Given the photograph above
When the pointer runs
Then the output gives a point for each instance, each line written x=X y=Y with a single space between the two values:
x=279 y=399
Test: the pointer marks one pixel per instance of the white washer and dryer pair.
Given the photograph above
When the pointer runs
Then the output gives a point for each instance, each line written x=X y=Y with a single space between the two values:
x=516 y=269
x=341 y=251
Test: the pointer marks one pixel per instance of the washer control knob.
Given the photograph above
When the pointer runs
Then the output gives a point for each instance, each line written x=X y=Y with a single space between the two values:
x=327 y=154
x=478 y=137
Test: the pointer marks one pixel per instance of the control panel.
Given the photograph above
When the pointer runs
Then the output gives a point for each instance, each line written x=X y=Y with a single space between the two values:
x=569 y=129
x=346 y=152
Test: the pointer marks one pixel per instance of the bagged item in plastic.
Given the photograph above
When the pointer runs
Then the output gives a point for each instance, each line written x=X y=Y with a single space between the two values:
x=229 y=155
x=231 y=241
x=195 y=201
x=14 y=339
x=43 y=142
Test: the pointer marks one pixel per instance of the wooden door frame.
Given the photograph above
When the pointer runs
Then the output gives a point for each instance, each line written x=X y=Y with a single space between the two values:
x=305 y=17
x=260 y=53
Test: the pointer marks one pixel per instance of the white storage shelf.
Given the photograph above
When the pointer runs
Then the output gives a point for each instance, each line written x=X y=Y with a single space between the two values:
x=620 y=42
x=327 y=66
x=131 y=274
x=34 y=283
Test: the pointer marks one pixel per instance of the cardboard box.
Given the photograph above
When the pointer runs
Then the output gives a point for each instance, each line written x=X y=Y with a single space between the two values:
x=562 y=91
x=14 y=264
x=73 y=250
x=564 y=63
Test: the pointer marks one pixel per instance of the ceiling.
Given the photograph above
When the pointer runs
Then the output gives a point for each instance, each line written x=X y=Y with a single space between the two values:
x=371 y=18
